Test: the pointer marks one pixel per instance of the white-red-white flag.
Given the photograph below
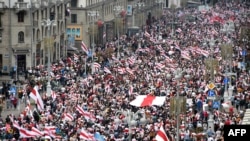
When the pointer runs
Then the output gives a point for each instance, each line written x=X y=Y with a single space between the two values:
x=148 y=100
x=87 y=115
x=86 y=136
x=147 y=34
x=37 y=132
x=68 y=117
x=178 y=30
x=107 y=70
x=34 y=94
x=131 y=88
x=161 y=135
x=53 y=95
x=84 y=47
x=25 y=133
x=104 y=34
x=97 y=65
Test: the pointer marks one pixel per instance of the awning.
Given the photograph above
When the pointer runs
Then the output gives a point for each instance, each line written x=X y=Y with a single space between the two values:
x=21 y=50
x=70 y=48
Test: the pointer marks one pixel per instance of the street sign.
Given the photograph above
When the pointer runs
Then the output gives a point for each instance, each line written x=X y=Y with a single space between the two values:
x=211 y=86
x=12 y=90
x=244 y=52
x=216 y=104
x=225 y=80
x=211 y=93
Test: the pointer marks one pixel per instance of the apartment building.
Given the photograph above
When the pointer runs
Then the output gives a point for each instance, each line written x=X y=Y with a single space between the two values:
x=97 y=21
x=92 y=21
x=29 y=29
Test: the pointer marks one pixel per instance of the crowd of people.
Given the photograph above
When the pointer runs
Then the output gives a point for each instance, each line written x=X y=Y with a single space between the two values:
x=87 y=97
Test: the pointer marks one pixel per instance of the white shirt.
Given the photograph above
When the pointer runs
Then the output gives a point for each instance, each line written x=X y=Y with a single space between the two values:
x=210 y=139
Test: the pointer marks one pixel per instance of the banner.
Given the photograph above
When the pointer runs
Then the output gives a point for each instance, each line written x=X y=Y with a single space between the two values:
x=74 y=31
x=129 y=10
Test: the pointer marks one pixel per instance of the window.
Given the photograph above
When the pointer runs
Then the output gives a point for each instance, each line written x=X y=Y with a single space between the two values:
x=21 y=37
x=52 y=16
x=73 y=3
x=20 y=16
x=20 y=0
x=1 y=21
x=73 y=18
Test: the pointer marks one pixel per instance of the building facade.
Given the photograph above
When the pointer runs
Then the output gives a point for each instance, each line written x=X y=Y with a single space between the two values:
x=24 y=34
x=98 y=21
x=92 y=21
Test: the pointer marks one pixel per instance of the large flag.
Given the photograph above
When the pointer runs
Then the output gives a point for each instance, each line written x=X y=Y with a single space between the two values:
x=68 y=117
x=86 y=136
x=148 y=100
x=87 y=115
x=24 y=133
x=161 y=135
x=34 y=94
x=147 y=34
x=84 y=47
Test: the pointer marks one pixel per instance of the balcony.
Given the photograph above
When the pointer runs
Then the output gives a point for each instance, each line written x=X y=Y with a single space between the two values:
x=59 y=17
x=59 y=1
x=2 y=6
x=21 y=5
x=44 y=4
x=35 y=24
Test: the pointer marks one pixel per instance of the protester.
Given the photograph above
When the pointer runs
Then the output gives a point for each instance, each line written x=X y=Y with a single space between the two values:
x=86 y=96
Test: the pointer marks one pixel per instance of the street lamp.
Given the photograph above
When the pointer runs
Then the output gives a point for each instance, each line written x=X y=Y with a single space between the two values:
x=211 y=121
x=48 y=23
x=93 y=15
x=244 y=53
x=131 y=118
x=159 y=5
x=211 y=63
x=138 y=6
x=117 y=12
x=226 y=53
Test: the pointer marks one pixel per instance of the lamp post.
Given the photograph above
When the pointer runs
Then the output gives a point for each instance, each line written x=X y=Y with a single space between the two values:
x=226 y=53
x=140 y=6
x=117 y=12
x=137 y=6
x=173 y=19
x=244 y=53
x=210 y=121
x=93 y=15
x=48 y=23
x=159 y=5
x=178 y=75
x=131 y=118
x=211 y=63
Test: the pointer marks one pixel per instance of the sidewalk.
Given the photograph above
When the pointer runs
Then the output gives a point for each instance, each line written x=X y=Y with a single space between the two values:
x=20 y=108
x=13 y=111
x=7 y=78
